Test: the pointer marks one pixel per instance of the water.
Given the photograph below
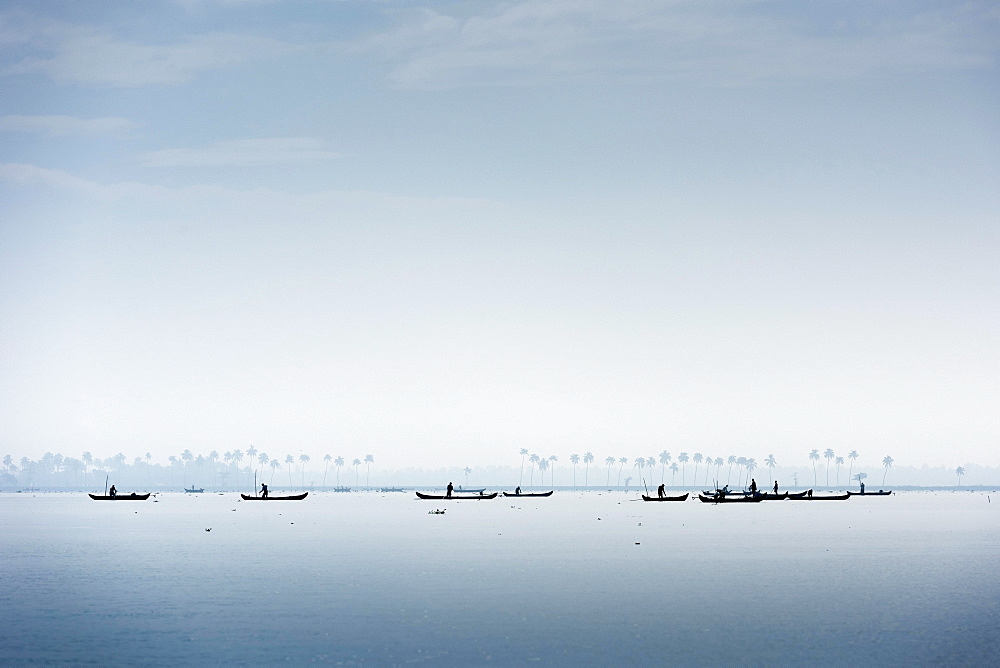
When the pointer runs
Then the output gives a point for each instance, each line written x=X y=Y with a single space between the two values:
x=578 y=578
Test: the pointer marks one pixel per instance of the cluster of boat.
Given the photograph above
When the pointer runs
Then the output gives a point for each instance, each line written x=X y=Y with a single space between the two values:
x=725 y=495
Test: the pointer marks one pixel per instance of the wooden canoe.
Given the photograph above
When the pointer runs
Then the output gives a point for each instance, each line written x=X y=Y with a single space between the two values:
x=729 y=499
x=120 y=497
x=296 y=497
x=442 y=497
x=548 y=493
x=830 y=497
x=881 y=492
x=682 y=497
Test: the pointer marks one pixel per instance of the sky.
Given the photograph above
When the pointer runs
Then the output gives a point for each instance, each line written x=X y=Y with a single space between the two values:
x=441 y=232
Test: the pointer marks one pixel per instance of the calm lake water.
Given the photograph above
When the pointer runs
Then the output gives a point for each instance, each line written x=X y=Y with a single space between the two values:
x=581 y=578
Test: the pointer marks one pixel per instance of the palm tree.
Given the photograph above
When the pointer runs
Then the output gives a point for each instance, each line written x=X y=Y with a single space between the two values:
x=622 y=462
x=552 y=469
x=467 y=471
x=751 y=466
x=369 y=460
x=186 y=457
x=960 y=471
x=708 y=468
x=251 y=453
x=673 y=474
x=683 y=458
x=814 y=456
x=237 y=458
x=650 y=463
x=664 y=460
x=357 y=471
x=731 y=460
x=275 y=465
x=640 y=464
x=262 y=458
x=289 y=460
x=339 y=463
x=326 y=467
x=574 y=459
x=771 y=462
x=88 y=459
x=520 y=480
x=588 y=458
x=718 y=467
x=828 y=454
x=610 y=461
x=852 y=455
x=860 y=476
x=886 y=462
x=741 y=462
x=697 y=459
x=542 y=465
x=303 y=460
x=149 y=478
x=534 y=459
x=839 y=462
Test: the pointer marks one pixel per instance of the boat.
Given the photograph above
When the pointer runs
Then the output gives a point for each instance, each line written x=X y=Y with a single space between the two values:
x=548 y=493
x=391 y=489
x=194 y=490
x=442 y=497
x=294 y=497
x=729 y=499
x=799 y=495
x=342 y=489
x=881 y=492
x=470 y=491
x=771 y=496
x=120 y=497
x=682 y=497
x=829 y=497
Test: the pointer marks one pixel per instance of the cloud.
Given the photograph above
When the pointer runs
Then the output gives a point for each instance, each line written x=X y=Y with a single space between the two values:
x=68 y=126
x=720 y=43
x=90 y=56
x=242 y=153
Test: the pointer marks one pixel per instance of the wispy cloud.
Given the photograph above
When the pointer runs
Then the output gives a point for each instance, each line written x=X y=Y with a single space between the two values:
x=243 y=153
x=91 y=56
x=68 y=126
x=717 y=42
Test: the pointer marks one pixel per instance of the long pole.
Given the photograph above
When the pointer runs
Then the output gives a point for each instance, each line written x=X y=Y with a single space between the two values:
x=255 y=482
x=105 y=485
x=644 y=485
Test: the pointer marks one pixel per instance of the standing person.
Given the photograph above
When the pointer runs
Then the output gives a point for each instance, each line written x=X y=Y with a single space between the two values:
x=517 y=491
x=862 y=488
x=113 y=491
x=263 y=491
x=775 y=486
x=753 y=486
x=661 y=491
x=450 y=490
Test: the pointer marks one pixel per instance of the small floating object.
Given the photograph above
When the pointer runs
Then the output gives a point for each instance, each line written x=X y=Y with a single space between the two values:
x=208 y=529
x=437 y=511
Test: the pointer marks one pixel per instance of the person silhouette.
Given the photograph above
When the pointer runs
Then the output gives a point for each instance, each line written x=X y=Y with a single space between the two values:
x=517 y=490
x=263 y=491
x=113 y=491
x=753 y=486
x=661 y=491
x=775 y=486
x=451 y=488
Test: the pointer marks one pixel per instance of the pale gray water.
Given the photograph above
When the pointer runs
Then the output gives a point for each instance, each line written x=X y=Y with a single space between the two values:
x=579 y=578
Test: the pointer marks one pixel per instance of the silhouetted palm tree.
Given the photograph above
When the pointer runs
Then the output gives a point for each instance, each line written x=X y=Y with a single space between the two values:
x=650 y=463
x=751 y=466
x=237 y=458
x=552 y=469
x=664 y=460
x=673 y=474
x=534 y=459
x=275 y=465
x=683 y=458
x=622 y=462
x=852 y=455
x=289 y=460
x=731 y=460
x=369 y=460
x=960 y=471
x=357 y=471
x=574 y=459
x=840 y=462
x=326 y=467
x=708 y=469
x=520 y=480
x=251 y=454
x=543 y=465
x=339 y=463
x=886 y=462
x=697 y=459
x=718 y=467
x=588 y=459
x=610 y=461
x=814 y=457
x=829 y=456
x=262 y=459
x=639 y=464
x=303 y=460
x=770 y=462
x=186 y=457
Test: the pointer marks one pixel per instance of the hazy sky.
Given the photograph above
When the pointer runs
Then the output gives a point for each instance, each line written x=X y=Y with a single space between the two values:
x=442 y=232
